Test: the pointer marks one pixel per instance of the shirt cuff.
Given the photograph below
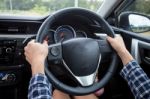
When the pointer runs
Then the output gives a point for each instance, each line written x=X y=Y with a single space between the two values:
x=128 y=68
x=39 y=78
x=39 y=84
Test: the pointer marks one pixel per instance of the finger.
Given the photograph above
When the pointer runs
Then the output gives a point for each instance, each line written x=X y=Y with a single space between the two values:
x=96 y=79
x=99 y=92
x=26 y=54
x=45 y=42
x=109 y=39
x=46 y=38
x=27 y=59
x=31 y=42
x=25 y=48
x=118 y=36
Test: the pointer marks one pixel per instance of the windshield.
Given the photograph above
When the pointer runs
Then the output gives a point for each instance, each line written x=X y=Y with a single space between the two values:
x=43 y=7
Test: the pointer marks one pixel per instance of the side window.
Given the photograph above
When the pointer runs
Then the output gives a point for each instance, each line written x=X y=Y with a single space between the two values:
x=140 y=6
x=137 y=23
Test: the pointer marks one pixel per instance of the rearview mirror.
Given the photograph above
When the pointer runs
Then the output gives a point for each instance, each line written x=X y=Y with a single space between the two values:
x=134 y=22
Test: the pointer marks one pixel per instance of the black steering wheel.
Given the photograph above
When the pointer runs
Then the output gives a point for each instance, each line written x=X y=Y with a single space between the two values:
x=80 y=56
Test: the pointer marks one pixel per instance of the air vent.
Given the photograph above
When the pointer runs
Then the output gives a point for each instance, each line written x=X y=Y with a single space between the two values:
x=13 y=28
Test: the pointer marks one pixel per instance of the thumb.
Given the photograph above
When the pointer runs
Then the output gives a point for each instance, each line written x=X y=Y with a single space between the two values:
x=45 y=42
x=109 y=39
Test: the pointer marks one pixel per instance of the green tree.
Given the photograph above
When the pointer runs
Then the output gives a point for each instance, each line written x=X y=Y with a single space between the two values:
x=44 y=6
x=142 y=6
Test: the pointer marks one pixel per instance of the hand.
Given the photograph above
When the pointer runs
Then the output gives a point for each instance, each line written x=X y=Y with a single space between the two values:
x=118 y=44
x=36 y=54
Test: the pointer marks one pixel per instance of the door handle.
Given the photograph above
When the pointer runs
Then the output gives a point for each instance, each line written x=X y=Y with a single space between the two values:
x=147 y=58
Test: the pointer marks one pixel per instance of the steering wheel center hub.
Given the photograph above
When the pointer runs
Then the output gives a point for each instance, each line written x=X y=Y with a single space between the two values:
x=81 y=56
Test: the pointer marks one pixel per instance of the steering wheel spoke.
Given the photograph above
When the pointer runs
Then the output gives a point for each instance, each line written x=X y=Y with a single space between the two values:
x=55 y=52
x=86 y=80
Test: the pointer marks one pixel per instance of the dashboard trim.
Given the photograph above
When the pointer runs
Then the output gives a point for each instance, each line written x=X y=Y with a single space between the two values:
x=15 y=36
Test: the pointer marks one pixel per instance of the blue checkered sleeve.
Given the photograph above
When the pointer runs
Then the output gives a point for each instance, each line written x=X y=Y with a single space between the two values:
x=39 y=87
x=137 y=79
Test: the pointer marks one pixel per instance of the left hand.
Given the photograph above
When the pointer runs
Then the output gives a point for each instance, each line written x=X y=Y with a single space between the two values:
x=36 y=54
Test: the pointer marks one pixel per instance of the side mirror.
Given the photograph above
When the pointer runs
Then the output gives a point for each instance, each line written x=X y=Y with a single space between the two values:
x=134 y=22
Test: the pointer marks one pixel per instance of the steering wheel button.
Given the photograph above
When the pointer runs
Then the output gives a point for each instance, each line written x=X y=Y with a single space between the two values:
x=55 y=51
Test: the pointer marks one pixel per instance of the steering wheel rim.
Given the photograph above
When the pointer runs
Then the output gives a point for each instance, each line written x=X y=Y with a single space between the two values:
x=61 y=86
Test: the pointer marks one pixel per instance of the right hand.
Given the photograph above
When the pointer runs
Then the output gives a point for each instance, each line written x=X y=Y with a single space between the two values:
x=118 y=44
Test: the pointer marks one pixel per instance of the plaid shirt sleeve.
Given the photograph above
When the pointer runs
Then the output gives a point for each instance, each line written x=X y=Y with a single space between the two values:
x=137 y=80
x=39 y=87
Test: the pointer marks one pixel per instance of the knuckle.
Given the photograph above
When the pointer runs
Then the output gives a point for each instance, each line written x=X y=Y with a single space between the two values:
x=30 y=43
x=25 y=53
x=25 y=48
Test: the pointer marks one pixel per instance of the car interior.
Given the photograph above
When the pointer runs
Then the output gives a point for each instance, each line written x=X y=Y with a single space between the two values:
x=78 y=49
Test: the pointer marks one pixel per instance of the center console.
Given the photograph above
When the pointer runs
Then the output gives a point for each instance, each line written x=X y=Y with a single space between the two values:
x=10 y=62
x=14 y=70
x=13 y=77
x=7 y=51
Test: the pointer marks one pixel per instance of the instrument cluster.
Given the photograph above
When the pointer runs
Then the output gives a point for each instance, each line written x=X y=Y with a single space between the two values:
x=63 y=33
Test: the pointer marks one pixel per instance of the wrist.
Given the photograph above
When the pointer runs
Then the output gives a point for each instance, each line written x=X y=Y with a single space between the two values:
x=37 y=62
x=38 y=67
x=122 y=52
x=125 y=56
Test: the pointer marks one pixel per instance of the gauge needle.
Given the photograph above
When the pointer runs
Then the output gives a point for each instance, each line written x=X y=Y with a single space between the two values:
x=62 y=35
x=46 y=38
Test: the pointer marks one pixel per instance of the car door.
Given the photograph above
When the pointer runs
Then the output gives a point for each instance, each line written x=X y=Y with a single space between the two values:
x=135 y=18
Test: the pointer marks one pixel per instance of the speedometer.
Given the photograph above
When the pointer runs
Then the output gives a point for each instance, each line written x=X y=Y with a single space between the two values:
x=49 y=37
x=63 y=33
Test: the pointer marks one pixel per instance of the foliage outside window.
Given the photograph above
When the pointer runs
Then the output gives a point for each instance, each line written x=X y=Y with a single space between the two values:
x=43 y=7
x=140 y=6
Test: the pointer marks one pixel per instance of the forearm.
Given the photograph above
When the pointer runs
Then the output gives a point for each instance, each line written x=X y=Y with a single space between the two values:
x=137 y=80
x=37 y=67
x=39 y=87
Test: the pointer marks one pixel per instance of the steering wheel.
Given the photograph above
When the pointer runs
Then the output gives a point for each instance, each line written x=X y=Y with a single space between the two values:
x=80 y=56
